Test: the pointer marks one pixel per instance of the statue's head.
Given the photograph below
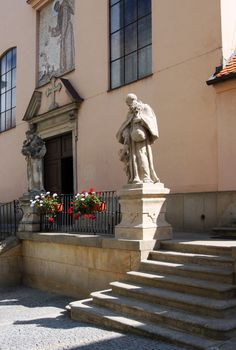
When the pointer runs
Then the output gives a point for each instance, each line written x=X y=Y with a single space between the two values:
x=57 y=6
x=32 y=127
x=130 y=99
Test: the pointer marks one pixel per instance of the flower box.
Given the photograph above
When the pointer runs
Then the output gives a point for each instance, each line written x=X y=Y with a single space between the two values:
x=86 y=204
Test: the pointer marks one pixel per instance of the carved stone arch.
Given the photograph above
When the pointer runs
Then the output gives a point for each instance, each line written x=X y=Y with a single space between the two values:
x=59 y=120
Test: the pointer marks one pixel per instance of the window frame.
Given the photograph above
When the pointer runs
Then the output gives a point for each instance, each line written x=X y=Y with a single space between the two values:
x=137 y=50
x=9 y=120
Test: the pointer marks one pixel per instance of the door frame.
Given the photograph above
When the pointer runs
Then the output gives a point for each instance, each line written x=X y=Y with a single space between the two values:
x=62 y=121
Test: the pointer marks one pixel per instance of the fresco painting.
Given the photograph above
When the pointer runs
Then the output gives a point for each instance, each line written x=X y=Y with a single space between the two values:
x=56 y=40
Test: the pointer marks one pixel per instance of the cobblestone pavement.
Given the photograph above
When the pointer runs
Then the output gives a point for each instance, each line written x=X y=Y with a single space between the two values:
x=34 y=320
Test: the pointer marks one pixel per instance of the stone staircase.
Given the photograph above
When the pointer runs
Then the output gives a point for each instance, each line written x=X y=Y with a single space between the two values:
x=183 y=294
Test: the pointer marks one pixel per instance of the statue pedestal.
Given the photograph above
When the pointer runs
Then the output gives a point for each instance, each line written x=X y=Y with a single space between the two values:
x=31 y=218
x=143 y=212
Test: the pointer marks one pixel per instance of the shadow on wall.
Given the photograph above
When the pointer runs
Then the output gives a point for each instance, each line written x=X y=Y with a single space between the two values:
x=201 y=212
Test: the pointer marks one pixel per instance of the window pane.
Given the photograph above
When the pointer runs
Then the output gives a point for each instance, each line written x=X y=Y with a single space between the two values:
x=13 y=117
x=144 y=31
x=130 y=11
x=8 y=81
x=117 y=73
x=144 y=7
x=3 y=103
x=145 y=61
x=8 y=100
x=8 y=119
x=14 y=77
x=114 y=2
x=117 y=45
x=13 y=97
x=9 y=60
x=3 y=64
x=2 y=122
x=14 y=58
x=116 y=17
x=131 y=38
x=3 y=83
x=131 y=67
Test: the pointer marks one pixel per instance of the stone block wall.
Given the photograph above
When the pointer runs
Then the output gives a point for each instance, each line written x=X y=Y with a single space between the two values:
x=76 y=265
x=10 y=263
x=199 y=212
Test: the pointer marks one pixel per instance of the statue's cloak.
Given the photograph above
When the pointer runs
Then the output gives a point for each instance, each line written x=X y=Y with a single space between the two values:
x=148 y=120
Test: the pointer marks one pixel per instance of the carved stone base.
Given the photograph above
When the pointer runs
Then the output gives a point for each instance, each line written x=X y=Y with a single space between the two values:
x=31 y=219
x=143 y=213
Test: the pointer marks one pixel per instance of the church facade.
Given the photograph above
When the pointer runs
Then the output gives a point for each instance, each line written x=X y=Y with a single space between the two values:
x=67 y=66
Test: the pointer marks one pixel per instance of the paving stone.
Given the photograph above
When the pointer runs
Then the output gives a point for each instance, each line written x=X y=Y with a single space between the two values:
x=34 y=320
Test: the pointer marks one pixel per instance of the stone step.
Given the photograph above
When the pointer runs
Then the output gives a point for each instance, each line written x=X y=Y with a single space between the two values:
x=225 y=231
x=196 y=247
x=201 y=259
x=183 y=284
x=191 y=303
x=202 y=325
x=224 y=228
x=86 y=311
x=189 y=270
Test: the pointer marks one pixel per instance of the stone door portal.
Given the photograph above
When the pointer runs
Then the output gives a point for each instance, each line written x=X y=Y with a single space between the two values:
x=58 y=165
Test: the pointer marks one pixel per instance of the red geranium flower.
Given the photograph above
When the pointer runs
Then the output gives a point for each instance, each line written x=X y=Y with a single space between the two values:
x=91 y=190
x=76 y=216
x=70 y=210
x=90 y=216
x=51 y=219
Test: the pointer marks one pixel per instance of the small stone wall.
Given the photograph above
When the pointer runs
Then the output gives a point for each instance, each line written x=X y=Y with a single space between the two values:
x=76 y=265
x=10 y=263
x=200 y=212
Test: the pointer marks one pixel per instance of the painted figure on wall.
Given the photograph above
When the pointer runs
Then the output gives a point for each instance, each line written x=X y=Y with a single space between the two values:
x=64 y=30
x=137 y=134
x=56 y=40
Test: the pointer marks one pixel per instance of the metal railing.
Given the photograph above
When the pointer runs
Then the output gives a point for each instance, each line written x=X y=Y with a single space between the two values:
x=10 y=216
x=104 y=224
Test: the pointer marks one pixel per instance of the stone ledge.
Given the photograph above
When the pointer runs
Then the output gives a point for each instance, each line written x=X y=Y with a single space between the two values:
x=95 y=241
x=8 y=244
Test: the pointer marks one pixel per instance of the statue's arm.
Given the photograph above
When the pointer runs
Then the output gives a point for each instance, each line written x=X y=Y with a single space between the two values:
x=119 y=135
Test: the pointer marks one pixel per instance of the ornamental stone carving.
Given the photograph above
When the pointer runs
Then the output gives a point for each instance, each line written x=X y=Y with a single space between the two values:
x=34 y=150
x=137 y=133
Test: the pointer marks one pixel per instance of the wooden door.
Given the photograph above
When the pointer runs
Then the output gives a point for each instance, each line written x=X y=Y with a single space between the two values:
x=58 y=165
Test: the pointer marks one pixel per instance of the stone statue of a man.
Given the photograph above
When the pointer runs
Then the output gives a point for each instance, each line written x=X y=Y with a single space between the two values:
x=34 y=150
x=137 y=133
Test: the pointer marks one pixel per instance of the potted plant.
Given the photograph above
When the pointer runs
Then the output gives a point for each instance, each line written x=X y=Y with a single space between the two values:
x=86 y=204
x=47 y=204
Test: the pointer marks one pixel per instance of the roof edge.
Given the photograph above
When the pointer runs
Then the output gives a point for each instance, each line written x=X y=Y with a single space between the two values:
x=215 y=80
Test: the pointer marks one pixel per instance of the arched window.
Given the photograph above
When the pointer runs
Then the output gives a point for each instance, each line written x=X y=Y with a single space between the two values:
x=8 y=90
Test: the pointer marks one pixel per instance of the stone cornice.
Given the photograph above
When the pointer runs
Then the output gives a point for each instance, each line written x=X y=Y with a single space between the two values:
x=33 y=106
x=81 y=239
x=68 y=109
x=38 y=4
